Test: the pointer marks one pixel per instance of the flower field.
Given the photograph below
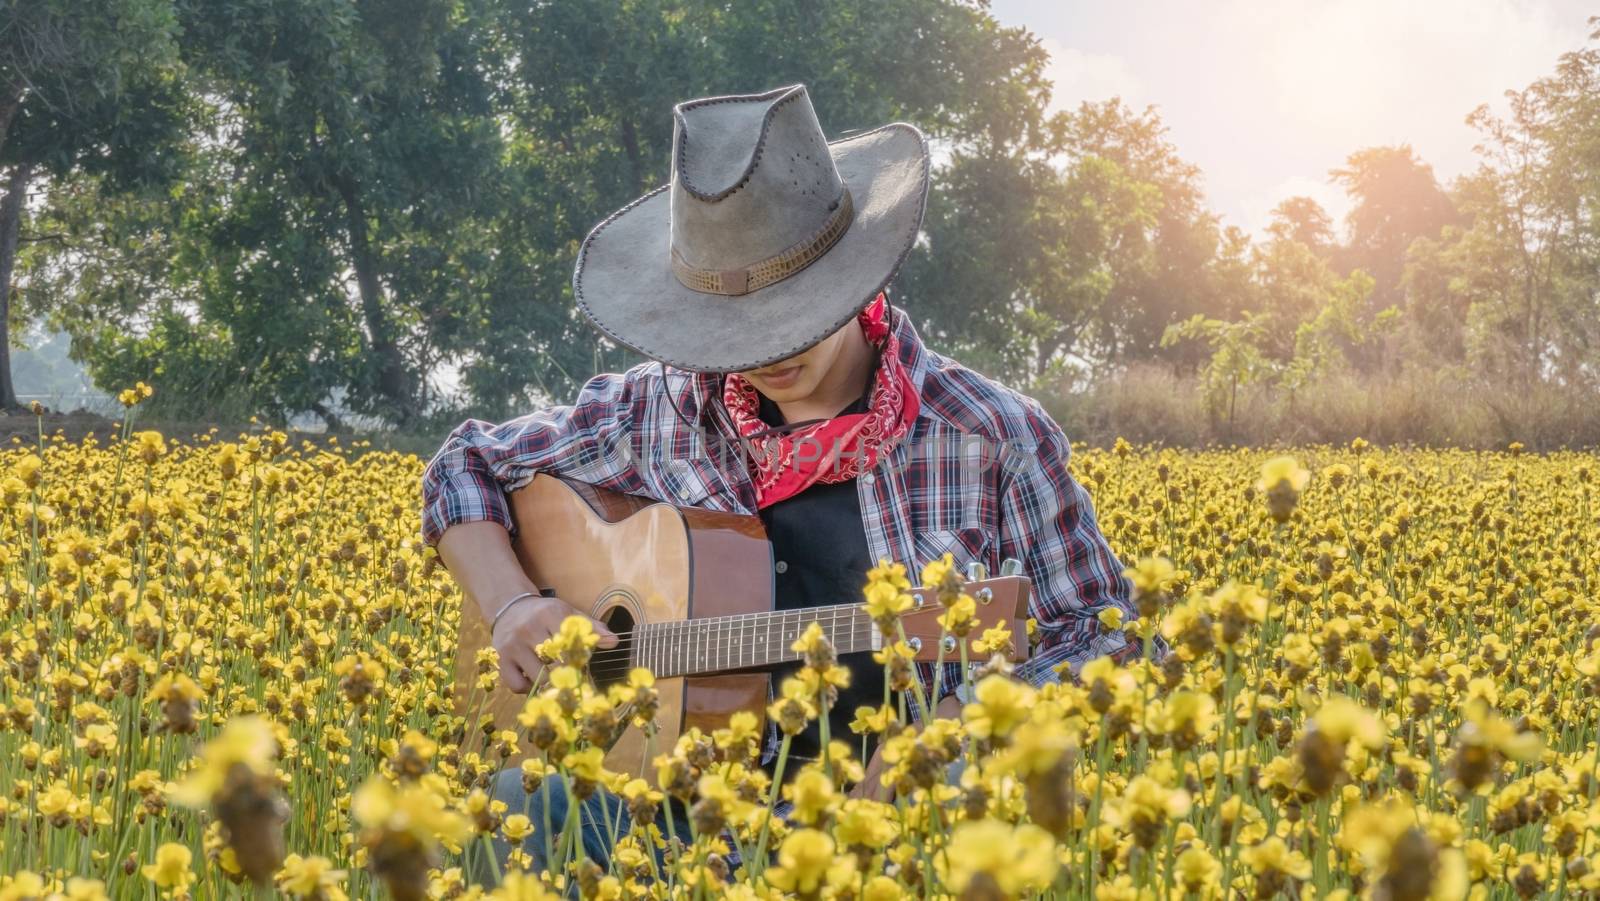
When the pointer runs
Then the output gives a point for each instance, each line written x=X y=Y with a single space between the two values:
x=228 y=673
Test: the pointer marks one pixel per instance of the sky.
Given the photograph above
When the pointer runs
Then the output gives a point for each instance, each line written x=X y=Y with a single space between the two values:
x=1266 y=97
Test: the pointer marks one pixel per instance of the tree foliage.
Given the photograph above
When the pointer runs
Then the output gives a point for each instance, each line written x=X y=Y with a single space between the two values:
x=371 y=207
x=87 y=90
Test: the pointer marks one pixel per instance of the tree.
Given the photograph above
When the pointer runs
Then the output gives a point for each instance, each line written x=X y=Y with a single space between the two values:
x=1395 y=201
x=1235 y=363
x=590 y=87
x=1162 y=272
x=371 y=206
x=86 y=87
x=1522 y=276
x=1293 y=287
x=1303 y=221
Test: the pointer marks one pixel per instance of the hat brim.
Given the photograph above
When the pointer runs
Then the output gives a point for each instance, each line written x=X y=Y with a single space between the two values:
x=624 y=282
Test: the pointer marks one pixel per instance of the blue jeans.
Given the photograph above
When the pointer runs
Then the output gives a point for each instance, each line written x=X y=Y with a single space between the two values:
x=600 y=816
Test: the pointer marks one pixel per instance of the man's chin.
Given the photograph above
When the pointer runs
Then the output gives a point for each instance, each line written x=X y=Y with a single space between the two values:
x=786 y=387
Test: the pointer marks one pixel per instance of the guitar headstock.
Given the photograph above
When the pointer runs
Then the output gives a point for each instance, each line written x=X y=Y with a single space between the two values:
x=1001 y=601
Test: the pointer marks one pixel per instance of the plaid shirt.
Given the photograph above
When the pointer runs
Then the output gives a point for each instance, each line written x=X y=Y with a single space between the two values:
x=982 y=474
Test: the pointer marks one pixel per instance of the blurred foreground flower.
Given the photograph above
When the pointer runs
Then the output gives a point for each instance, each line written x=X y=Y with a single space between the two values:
x=236 y=778
x=402 y=829
x=988 y=859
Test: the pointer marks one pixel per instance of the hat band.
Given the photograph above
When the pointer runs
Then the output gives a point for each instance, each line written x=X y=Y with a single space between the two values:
x=733 y=282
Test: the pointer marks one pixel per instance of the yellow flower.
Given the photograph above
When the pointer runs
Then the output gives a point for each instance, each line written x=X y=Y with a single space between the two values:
x=1010 y=860
x=572 y=643
x=960 y=616
x=1240 y=603
x=1145 y=807
x=1344 y=721
x=889 y=572
x=1282 y=480
x=26 y=885
x=516 y=827
x=1187 y=716
x=310 y=877
x=865 y=824
x=795 y=708
x=171 y=867
x=873 y=719
x=1273 y=856
x=1152 y=575
x=804 y=860
x=1482 y=725
x=415 y=810
x=882 y=888
x=941 y=578
x=1110 y=618
x=520 y=886
x=885 y=602
x=97 y=740
x=586 y=763
x=812 y=795
x=1001 y=704
x=81 y=889
x=1280 y=470
x=997 y=640
x=245 y=741
x=1197 y=870
x=813 y=645
x=151 y=446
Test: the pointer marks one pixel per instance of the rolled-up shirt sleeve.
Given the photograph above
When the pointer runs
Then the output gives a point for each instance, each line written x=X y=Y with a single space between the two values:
x=589 y=440
x=1048 y=523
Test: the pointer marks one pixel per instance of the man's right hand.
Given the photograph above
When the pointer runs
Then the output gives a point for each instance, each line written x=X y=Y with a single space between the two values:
x=529 y=623
x=478 y=555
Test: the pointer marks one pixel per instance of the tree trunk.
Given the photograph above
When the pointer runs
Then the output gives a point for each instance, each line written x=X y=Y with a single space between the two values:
x=10 y=227
x=630 y=145
x=10 y=102
x=394 y=382
x=330 y=418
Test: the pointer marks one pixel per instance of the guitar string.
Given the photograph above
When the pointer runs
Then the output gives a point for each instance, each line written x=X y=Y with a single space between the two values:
x=677 y=657
x=781 y=621
x=671 y=670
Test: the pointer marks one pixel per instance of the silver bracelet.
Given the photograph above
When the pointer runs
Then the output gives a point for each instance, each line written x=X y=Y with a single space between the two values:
x=496 y=621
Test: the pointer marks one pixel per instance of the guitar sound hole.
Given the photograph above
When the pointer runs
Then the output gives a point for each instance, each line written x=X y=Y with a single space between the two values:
x=608 y=666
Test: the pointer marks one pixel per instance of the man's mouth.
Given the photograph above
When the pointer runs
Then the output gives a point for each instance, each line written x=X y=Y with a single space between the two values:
x=781 y=377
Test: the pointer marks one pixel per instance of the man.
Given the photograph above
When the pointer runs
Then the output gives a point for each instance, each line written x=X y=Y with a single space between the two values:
x=757 y=274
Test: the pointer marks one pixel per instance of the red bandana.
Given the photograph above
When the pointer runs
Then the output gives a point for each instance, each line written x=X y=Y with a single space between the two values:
x=831 y=450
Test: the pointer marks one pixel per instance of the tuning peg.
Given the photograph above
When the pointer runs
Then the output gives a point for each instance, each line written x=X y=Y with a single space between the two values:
x=1011 y=566
x=977 y=572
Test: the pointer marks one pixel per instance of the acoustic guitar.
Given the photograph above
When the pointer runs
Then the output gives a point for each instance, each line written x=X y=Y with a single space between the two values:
x=690 y=594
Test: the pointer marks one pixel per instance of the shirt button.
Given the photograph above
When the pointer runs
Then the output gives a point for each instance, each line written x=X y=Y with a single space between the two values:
x=868 y=477
x=780 y=567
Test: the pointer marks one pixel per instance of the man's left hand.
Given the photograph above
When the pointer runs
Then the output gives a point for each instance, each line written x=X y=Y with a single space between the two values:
x=871 y=785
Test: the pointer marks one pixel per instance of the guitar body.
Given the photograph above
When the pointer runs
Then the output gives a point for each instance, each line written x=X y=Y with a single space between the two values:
x=627 y=561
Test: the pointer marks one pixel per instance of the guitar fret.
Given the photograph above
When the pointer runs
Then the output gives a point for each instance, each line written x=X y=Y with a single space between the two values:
x=671 y=650
x=746 y=640
x=650 y=649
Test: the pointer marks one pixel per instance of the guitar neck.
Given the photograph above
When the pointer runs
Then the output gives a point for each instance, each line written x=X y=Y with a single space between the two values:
x=746 y=641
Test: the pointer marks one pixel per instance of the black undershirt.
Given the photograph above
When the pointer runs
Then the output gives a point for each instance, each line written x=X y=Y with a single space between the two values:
x=820 y=556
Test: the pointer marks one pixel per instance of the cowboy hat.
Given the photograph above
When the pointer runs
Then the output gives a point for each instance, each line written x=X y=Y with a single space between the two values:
x=766 y=240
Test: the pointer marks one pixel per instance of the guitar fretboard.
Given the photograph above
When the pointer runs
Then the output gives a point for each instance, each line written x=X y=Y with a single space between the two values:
x=745 y=641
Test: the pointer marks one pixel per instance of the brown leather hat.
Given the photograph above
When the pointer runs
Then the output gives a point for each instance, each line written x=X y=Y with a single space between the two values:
x=767 y=239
